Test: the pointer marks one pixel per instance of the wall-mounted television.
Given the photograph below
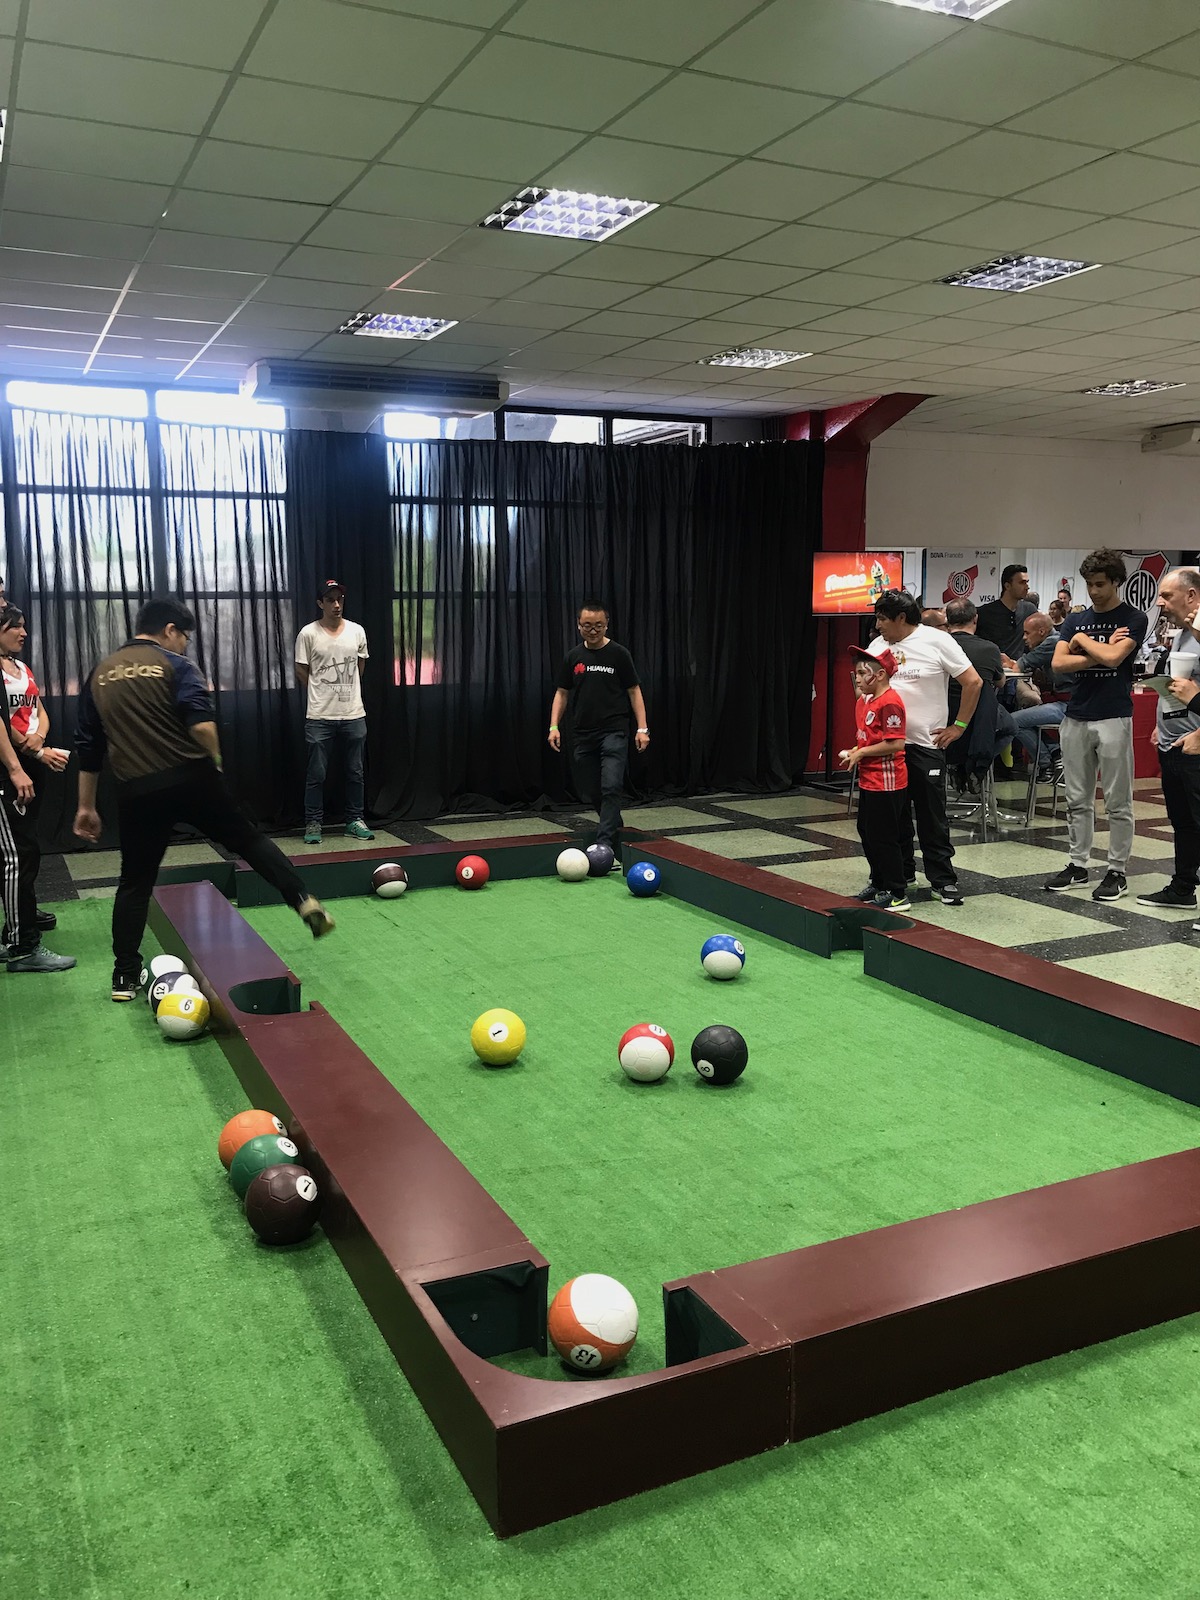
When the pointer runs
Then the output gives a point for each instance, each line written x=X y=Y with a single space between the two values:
x=847 y=583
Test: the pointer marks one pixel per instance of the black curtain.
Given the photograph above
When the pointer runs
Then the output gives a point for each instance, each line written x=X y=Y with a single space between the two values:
x=464 y=560
x=468 y=576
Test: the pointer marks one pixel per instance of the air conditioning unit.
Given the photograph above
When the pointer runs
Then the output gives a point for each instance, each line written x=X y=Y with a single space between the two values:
x=367 y=392
x=1181 y=438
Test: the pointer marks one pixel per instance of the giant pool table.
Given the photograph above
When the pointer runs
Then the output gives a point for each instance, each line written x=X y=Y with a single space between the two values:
x=944 y=1161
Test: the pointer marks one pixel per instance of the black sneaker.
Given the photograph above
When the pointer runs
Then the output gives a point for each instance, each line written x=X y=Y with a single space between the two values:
x=124 y=985
x=44 y=921
x=866 y=895
x=1171 y=898
x=39 y=959
x=1069 y=878
x=1111 y=887
x=887 y=901
x=949 y=894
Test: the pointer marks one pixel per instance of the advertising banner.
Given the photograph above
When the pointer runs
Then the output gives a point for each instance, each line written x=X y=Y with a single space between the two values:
x=847 y=583
x=961 y=575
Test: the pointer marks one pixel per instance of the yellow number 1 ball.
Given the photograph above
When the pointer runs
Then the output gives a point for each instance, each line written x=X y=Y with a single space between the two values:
x=498 y=1037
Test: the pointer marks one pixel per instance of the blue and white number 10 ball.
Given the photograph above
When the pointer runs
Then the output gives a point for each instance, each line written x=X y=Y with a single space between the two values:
x=723 y=956
x=572 y=866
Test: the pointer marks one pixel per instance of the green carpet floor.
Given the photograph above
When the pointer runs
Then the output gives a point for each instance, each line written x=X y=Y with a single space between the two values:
x=186 y=1413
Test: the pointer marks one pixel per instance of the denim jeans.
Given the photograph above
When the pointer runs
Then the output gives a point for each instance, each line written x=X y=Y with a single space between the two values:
x=320 y=735
x=1034 y=717
x=600 y=764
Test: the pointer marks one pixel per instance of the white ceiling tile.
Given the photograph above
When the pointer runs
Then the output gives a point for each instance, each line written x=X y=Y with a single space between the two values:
x=210 y=35
x=1182 y=145
x=998 y=163
x=840 y=288
x=937 y=300
x=27 y=231
x=824 y=46
x=200 y=211
x=1183 y=325
x=982 y=77
x=71 y=194
x=148 y=307
x=65 y=145
x=343 y=229
x=1112 y=26
x=179 y=249
x=899 y=208
x=655 y=172
x=1127 y=107
x=1008 y=227
x=620 y=264
x=1180 y=258
x=198 y=283
x=769 y=189
x=456 y=141
x=710 y=114
x=633 y=324
x=349 y=266
x=1181 y=57
x=489 y=247
x=1106 y=284
x=736 y=277
x=430 y=196
x=911 y=258
x=804 y=246
x=1182 y=209
x=565 y=88
x=291 y=116
x=1145 y=244
x=86 y=83
x=447 y=277
x=687 y=302
x=51 y=296
x=47 y=320
x=363 y=50
x=1102 y=319
x=1114 y=184
x=863 y=320
x=586 y=293
x=1182 y=296
x=669 y=31
x=702 y=233
x=273 y=174
x=532 y=314
x=1112 y=346
x=866 y=141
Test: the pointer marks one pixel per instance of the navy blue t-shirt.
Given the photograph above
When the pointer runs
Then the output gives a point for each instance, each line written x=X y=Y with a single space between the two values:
x=1104 y=692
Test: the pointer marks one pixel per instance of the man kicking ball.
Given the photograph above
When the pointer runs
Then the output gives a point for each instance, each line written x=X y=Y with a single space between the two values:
x=147 y=708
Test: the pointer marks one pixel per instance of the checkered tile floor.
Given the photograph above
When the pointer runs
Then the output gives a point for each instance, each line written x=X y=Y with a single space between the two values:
x=807 y=835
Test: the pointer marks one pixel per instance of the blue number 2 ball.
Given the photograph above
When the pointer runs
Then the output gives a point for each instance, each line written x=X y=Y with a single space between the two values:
x=723 y=956
x=643 y=879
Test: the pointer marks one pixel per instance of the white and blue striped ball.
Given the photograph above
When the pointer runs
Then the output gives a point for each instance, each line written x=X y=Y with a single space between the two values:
x=723 y=956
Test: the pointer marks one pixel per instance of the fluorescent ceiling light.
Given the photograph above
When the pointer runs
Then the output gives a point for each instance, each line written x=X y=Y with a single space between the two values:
x=746 y=356
x=206 y=409
x=1133 y=386
x=970 y=10
x=1018 y=273
x=384 y=325
x=565 y=214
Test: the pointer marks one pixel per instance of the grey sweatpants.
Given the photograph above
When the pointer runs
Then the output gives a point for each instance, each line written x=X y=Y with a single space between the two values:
x=1107 y=748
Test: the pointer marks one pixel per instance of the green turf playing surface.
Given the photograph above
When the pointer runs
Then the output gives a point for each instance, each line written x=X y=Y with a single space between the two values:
x=187 y=1414
x=861 y=1106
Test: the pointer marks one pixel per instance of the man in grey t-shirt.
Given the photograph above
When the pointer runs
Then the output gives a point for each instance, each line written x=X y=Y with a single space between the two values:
x=1179 y=597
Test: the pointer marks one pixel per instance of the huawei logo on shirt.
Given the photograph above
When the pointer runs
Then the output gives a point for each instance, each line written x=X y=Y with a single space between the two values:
x=579 y=667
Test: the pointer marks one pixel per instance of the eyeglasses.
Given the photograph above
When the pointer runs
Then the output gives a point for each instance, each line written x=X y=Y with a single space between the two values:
x=591 y=627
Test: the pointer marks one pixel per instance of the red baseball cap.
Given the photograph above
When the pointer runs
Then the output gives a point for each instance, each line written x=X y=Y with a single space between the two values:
x=881 y=658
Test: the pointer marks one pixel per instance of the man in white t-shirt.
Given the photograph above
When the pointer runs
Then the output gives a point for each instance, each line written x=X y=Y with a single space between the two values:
x=926 y=661
x=330 y=656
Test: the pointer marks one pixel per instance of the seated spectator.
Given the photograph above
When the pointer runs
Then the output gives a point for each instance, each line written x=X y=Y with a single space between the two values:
x=992 y=730
x=934 y=617
x=1040 y=638
x=1058 y=612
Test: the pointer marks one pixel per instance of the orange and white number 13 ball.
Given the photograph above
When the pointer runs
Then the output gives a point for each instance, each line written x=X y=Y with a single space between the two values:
x=593 y=1322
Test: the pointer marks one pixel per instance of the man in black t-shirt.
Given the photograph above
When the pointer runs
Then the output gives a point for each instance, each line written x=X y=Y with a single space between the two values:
x=599 y=680
x=1099 y=644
